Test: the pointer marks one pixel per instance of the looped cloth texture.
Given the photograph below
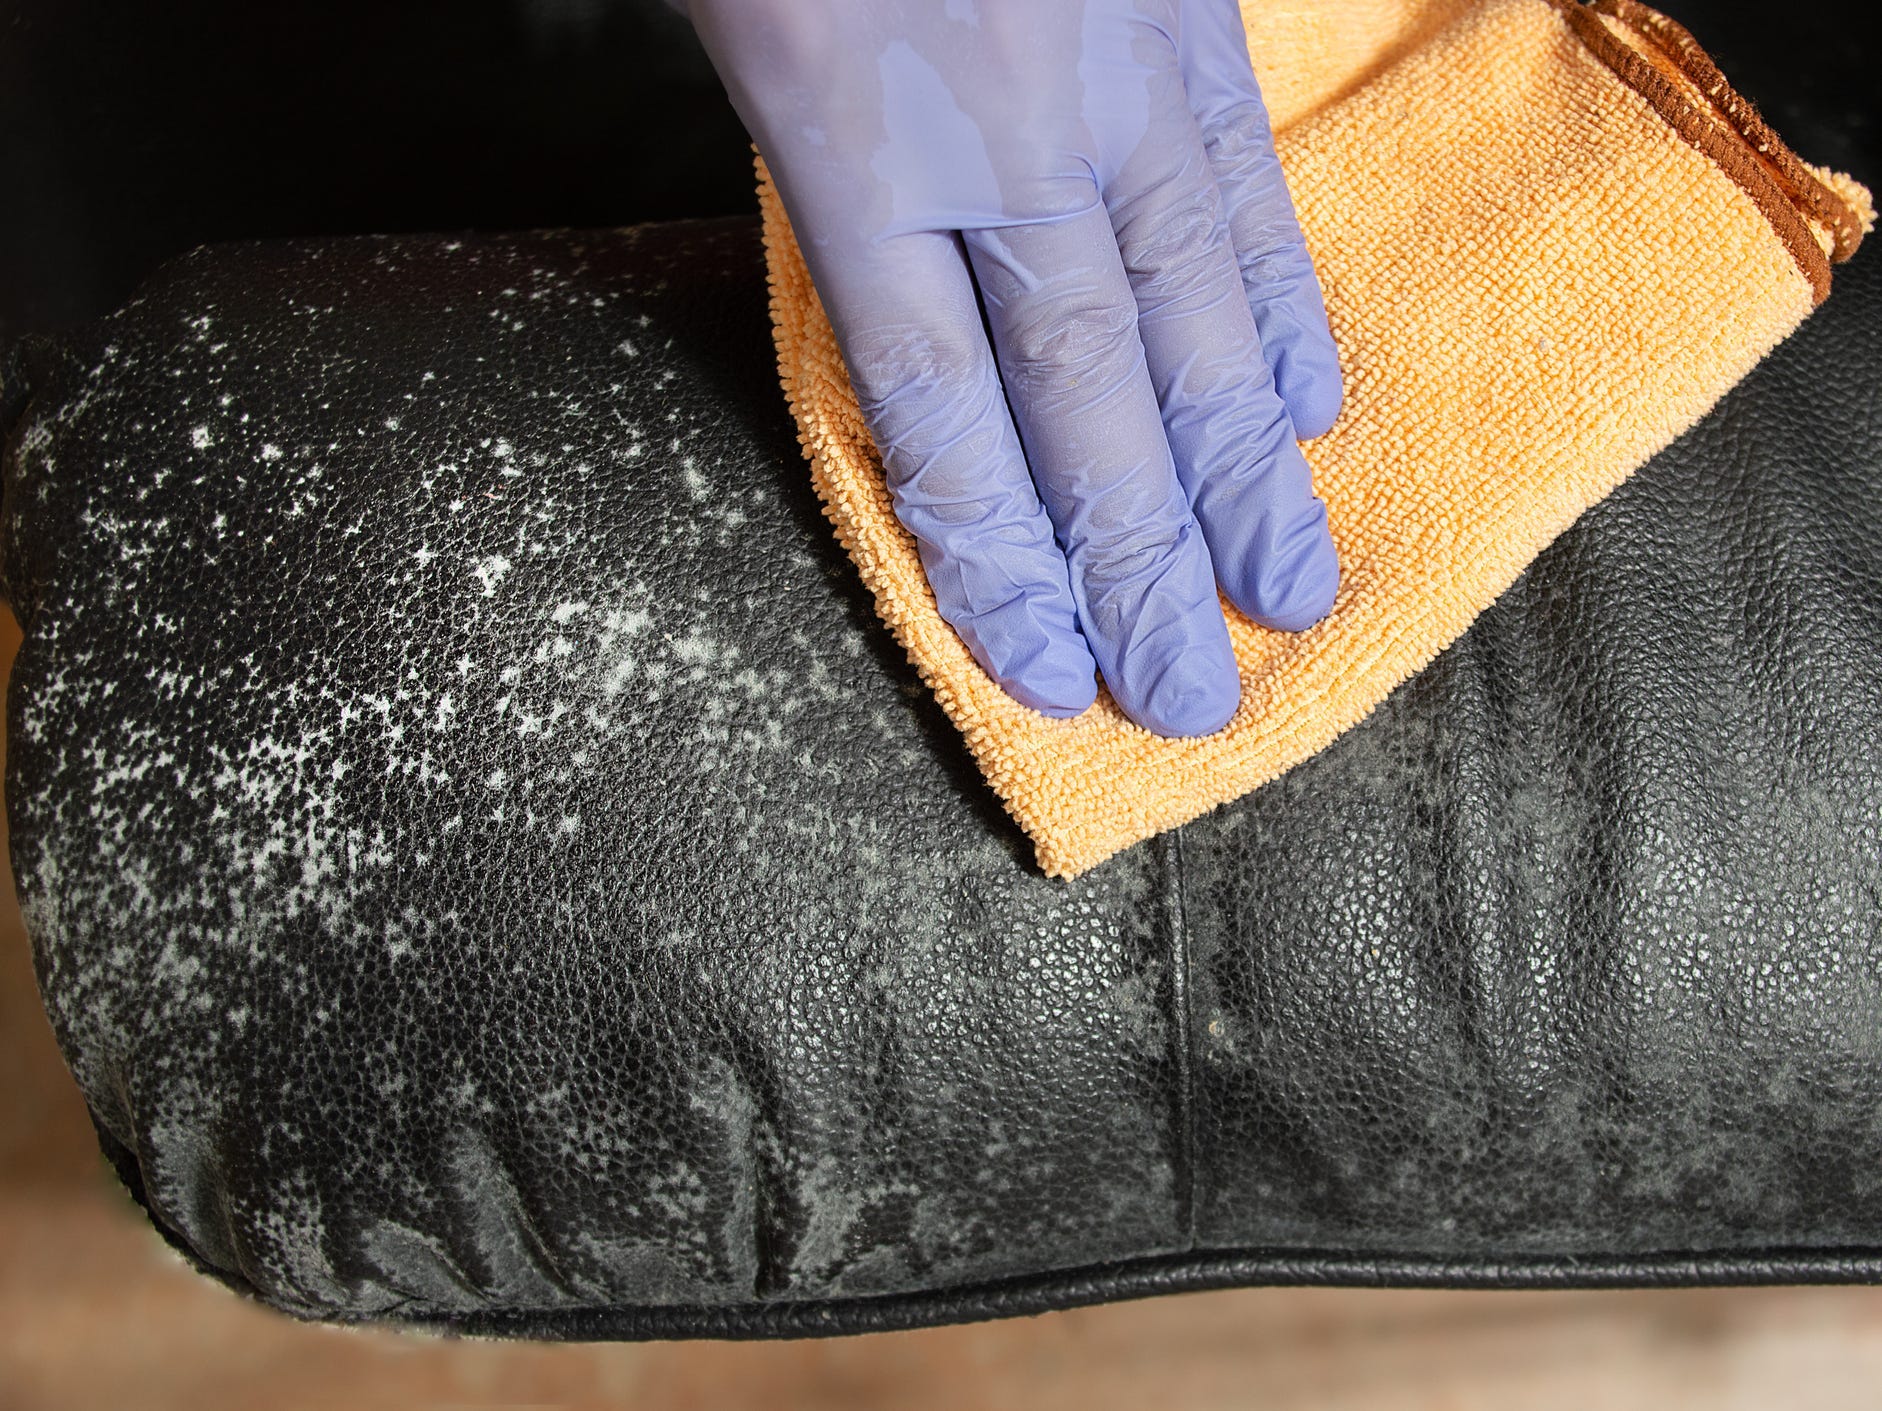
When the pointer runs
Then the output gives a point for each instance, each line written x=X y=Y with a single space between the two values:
x=1550 y=236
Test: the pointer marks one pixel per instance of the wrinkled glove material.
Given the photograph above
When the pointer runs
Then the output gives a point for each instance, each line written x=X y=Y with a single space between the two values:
x=1550 y=237
x=1122 y=433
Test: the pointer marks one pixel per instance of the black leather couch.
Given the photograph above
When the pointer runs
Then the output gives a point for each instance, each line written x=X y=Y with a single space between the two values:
x=487 y=868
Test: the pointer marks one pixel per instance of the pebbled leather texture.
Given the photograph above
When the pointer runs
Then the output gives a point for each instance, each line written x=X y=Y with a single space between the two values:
x=488 y=868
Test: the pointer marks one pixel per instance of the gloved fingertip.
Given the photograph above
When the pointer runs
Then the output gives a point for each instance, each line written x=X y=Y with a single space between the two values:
x=1060 y=689
x=1066 y=705
x=1297 y=592
x=1301 y=352
x=1051 y=673
x=1313 y=402
x=1307 y=378
x=1191 y=703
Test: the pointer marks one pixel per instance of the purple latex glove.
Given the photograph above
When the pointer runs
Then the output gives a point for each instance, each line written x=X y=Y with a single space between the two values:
x=1104 y=176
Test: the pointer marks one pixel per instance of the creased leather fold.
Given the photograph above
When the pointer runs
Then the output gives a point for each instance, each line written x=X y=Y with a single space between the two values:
x=1551 y=237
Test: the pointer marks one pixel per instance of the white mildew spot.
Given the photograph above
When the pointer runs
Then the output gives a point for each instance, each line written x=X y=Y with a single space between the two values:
x=697 y=649
x=270 y=452
x=199 y=437
x=619 y=663
x=490 y=572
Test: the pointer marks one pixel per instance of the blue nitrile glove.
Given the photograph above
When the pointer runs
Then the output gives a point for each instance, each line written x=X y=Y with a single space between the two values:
x=1104 y=174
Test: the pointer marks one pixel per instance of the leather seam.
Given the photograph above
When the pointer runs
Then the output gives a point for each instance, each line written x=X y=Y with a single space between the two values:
x=1180 y=1006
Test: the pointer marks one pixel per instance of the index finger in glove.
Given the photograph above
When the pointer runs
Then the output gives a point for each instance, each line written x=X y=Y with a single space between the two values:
x=904 y=313
x=1064 y=324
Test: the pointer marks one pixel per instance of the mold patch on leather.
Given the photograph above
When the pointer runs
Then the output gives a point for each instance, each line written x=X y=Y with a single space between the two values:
x=433 y=706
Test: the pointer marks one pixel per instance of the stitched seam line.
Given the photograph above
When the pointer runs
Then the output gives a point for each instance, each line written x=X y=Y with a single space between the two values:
x=1184 y=1044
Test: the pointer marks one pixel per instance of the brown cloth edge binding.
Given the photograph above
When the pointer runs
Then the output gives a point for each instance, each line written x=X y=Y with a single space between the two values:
x=1734 y=136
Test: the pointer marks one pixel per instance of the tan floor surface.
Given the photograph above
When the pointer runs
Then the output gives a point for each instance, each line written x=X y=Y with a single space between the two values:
x=96 y=1312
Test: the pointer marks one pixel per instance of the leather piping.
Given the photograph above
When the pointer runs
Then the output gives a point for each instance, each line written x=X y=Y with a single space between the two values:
x=1057 y=1289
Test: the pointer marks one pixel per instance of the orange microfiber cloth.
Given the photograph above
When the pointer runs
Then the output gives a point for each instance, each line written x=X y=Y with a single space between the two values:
x=1550 y=237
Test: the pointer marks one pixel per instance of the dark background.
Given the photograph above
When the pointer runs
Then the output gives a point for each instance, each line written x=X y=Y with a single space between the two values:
x=131 y=132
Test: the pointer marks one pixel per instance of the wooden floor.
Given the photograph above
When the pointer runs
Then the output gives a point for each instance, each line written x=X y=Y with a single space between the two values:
x=96 y=1312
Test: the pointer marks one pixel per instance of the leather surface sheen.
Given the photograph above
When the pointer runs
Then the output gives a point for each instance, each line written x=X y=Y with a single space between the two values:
x=487 y=866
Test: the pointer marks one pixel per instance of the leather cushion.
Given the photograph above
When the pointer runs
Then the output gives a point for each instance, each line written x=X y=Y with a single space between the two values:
x=487 y=866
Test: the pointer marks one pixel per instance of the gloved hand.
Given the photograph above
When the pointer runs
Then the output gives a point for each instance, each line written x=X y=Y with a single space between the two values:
x=1104 y=174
